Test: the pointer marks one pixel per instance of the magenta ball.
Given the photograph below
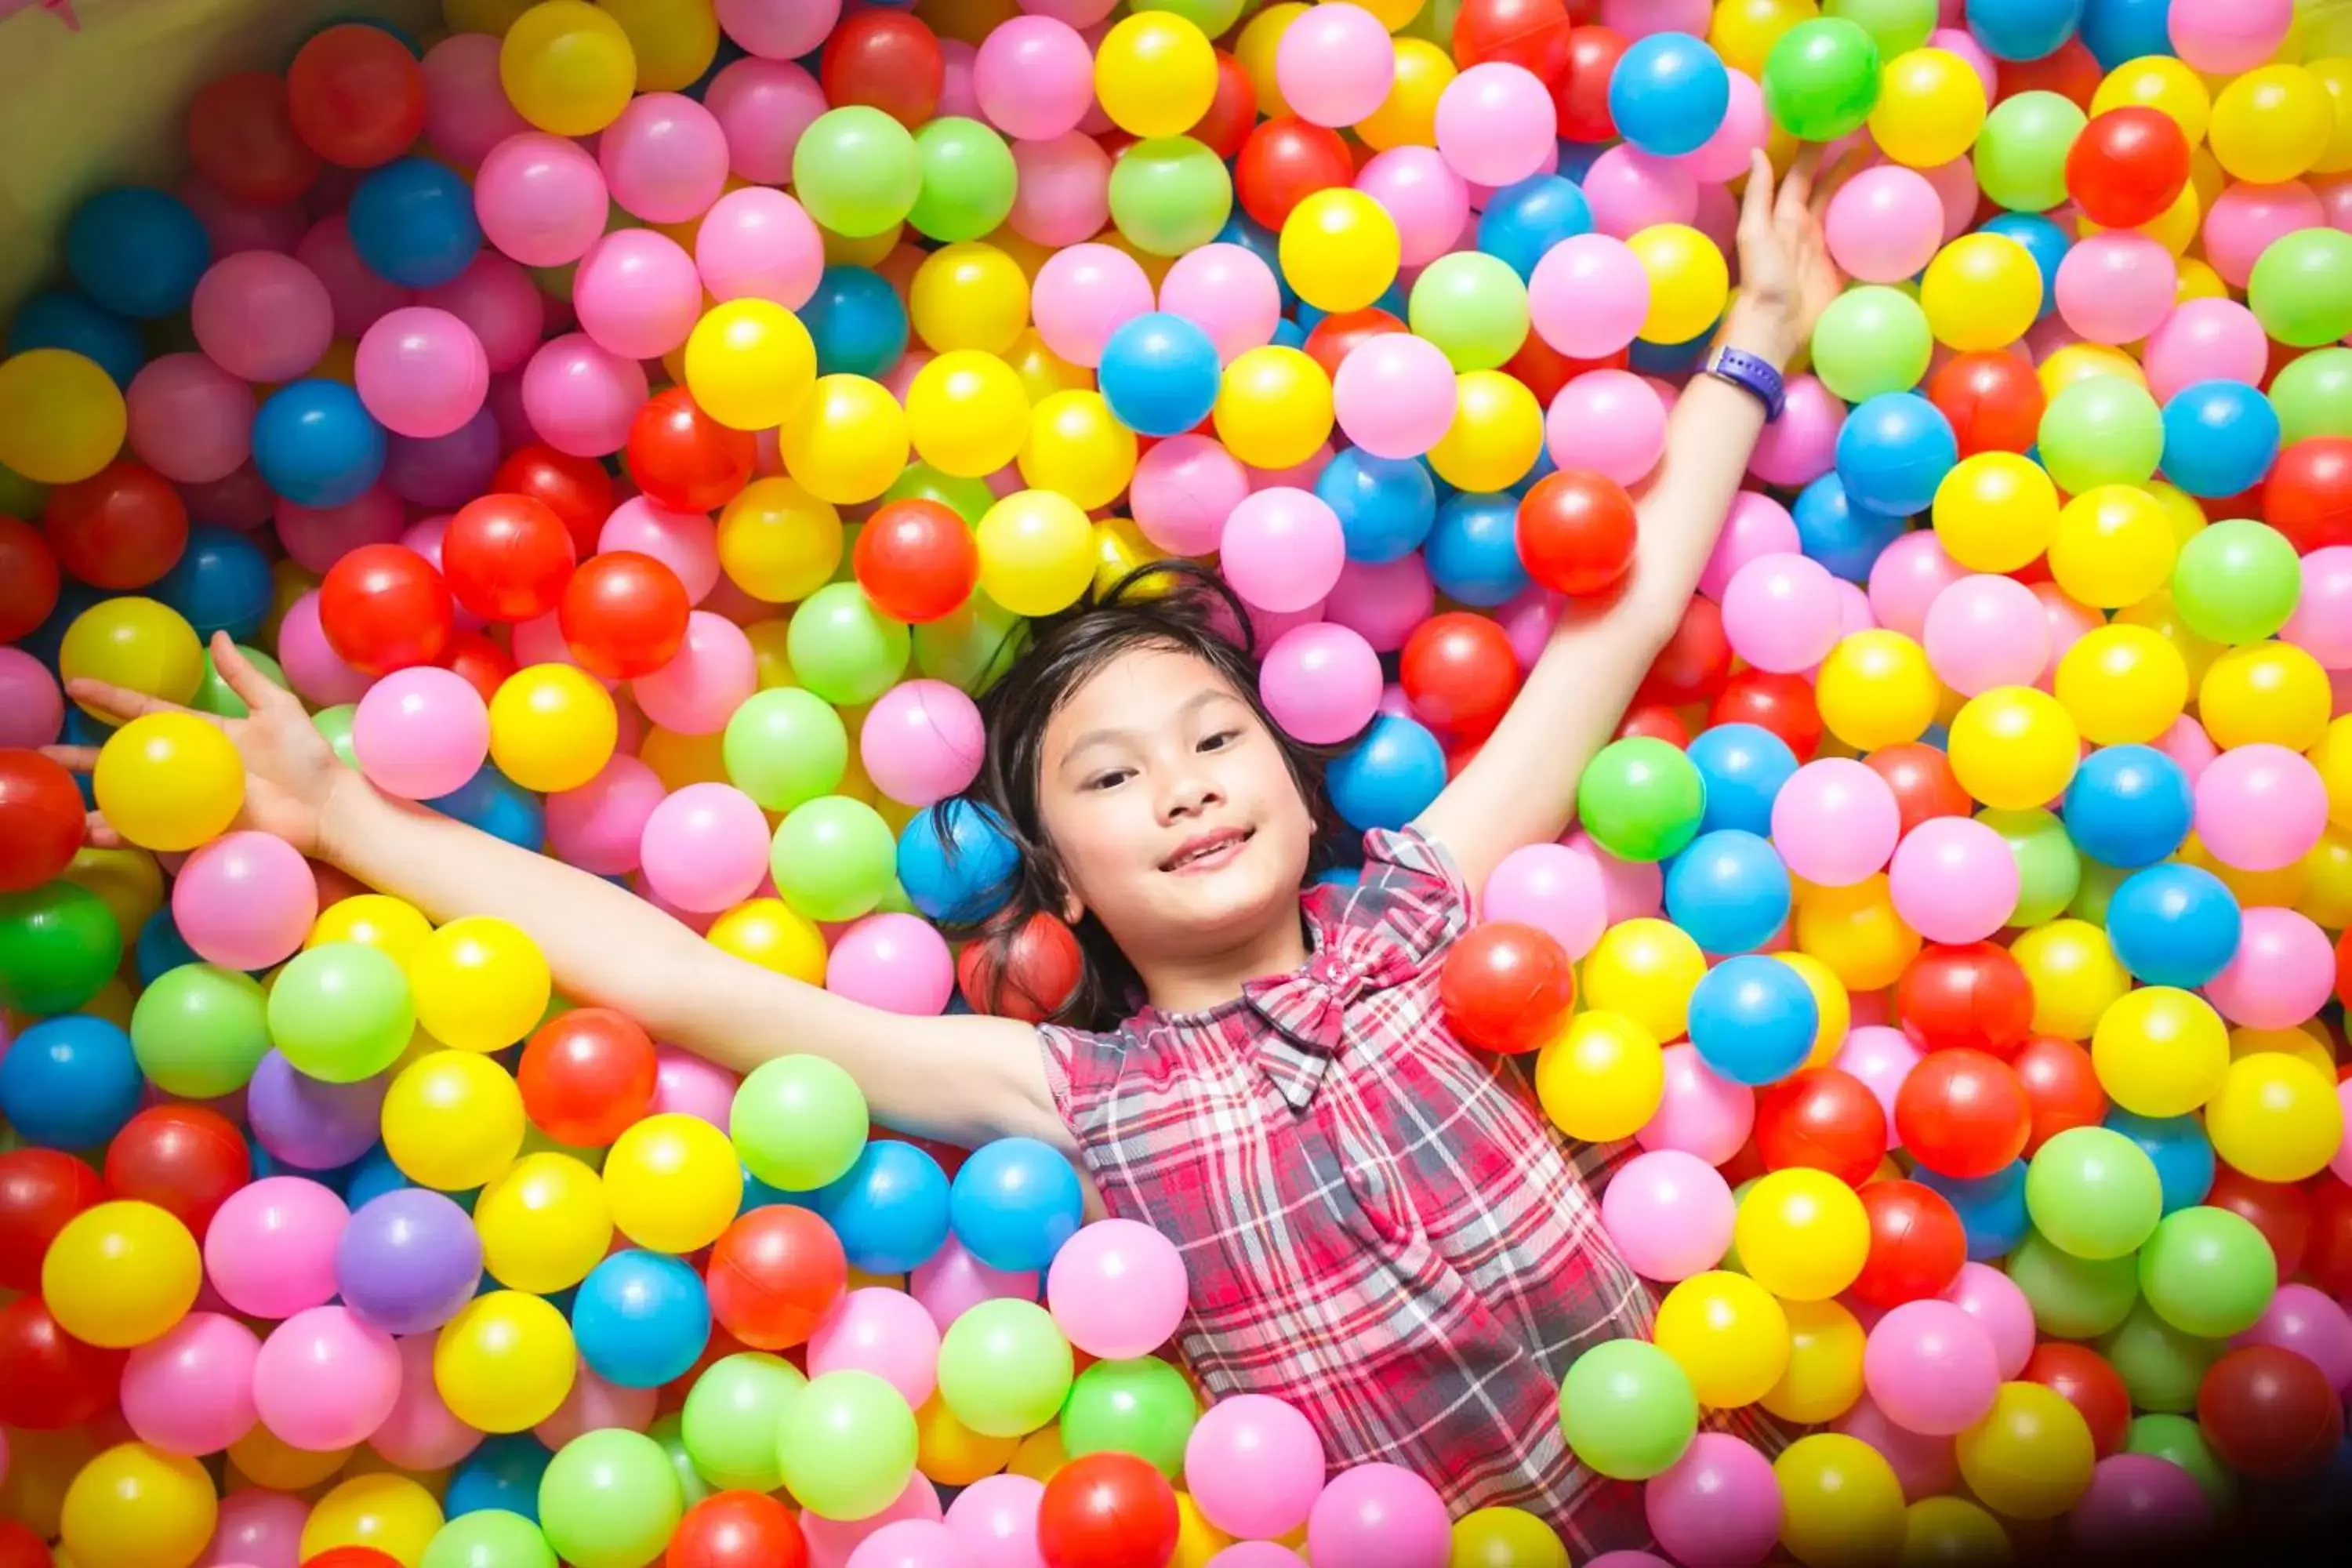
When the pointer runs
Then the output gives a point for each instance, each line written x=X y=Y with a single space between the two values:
x=245 y=900
x=1082 y=295
x=636 y=293
x=1611 y=422
x=581 y=398
x=2310 y=1323
x=2260 y=807
x=2117 y=288
x=705 y=848
x=2246 y=220
x=1117 y=1289
x=2139 y=1506
x=315 y=538
x=262 y=316
x=759 y=243
x=685 y=542
x=1629 y=190
x=421 y=733
x=996 y=1520
x=1701 y=1113
x=686 y=1085
x=1670 y=1215
x=713 y=673
x=1334 y=65
x=1836 y=821
x=922 y=741
x=882 y=1332
x=1757 y=525
x=1383 y=602
x=1589 y=295
x=598 y=827
x=541 y=199
x=1255 y=1466
x=356 y=293
x=325 y=1379
x=1496 y=125
x=258 y=1530
x=2281 y=974
x=1801 y=445
x=500 y=304
x=894 y=962
x=1908 y=578
x=1379 y=1516
x=1064 y=194
x=1183 y=489
x=270 y=1249
x=1932 y=1367
x=1034 y=76
x=1954 y=879
x=1321 y=683
x=2322 y=623
x=1717 y=1507
x=1924 y=1464
x=594 y=1404
x=951 y=1282
x=1553 y=888
x=191 y=1392
x=190 y=420
x=1881 y=1058
x=764 y=106
x=1985 y=631
x=1780 y=613
x=2001 y=1308
x=665 y=159
x=1281 y=549
x=1228 y=292
x=1429 y=203
x=1884 y=225
x=1393 y=395
x=466 y=109
x=422 y=1433
x=32 y=709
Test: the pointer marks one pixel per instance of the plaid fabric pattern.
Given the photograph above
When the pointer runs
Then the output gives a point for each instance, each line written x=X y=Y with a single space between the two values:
x=1379 y=1225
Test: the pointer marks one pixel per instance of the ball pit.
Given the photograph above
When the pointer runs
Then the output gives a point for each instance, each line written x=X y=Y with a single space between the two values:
x=641 y=429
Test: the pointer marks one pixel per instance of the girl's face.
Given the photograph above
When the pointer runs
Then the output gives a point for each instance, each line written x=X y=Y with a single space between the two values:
x=1172 y=808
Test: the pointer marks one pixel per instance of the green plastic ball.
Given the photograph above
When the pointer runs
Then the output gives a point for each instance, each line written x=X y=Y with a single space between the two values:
x=2236 y=580
x=1627 y=1409
x=489 y=1538
x=970 y=646
x=1212 y=16
x=732 y=1415
x=784 y=747
x=335 y=724
x=1821 y=81
x=2313 y=395
x=2049 y=868
x=1641 y=798
x=968 y=499
x=59 y=944
x=2020 y=153
x=2178 y=1440
x=609 y=1499
x=2093 y=1193
x=669 y=1431
x=2208 y=1271
x=212 y=694
x=340 y=1012
x=2299 y=290
x=1169 y=195
x=2102 y=430
x=798 y=1124
x=843 y=648
x=1004 y=1368
x=968 y=180
x=1871 y=341
x=834 y=859
x=200 y=1030
x=848 y=1446
x=857 y=171
x=1896 y=25
x=1141 y=1406
x=1473 y=307
x=2073 y=1298
x=2098 y=885
x=2160 y=1366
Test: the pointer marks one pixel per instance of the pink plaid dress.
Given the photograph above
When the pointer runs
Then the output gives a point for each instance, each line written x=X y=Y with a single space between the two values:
x=1379 y=1226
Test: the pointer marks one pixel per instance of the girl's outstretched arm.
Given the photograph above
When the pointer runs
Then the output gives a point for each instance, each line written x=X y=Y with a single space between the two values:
x=1520 y=788
x=964 y=1080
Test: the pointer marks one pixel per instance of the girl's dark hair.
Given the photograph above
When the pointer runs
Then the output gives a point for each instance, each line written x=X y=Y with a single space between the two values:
x=1176 y=605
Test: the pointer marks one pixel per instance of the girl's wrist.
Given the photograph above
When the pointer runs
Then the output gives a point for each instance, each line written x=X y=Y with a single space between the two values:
x=1763 y=331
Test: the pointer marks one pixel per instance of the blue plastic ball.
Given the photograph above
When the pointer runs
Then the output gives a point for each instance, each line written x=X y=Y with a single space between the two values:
x=498 y=807
x=1992 y=1209
x=890 y=1210
x=1389 y=777
x=1729 y=890
x=220 y=584
x=2044 y=241
x=1473 y=549
x=69 y=1082
x=160 y=948
x=1014 y=1203
x=2120 y=30
x=1844 y=538
x=1523 y=221
x=2176 y=1146
x=641 y=1319
x=2173 y=925
x=1753 y=1019
x=1160 y=373
x=2219 y=438
x=2128 y=806
x=1668 y=94
x=1386 y=506
x=316 y=443
x=61 y=318
x=1892 y=453
x=503 y=1474
x=1743 y=767
x=375 y=1174
x=412 y=222
x=857 y=322
x=137 y=252
x=964 y=875
x=2022 y=29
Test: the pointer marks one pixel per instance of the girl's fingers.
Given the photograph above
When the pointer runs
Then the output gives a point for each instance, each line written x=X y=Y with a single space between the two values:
x=260 y=692
x=123 y=704
x=97 y=835
x=79 y=758
x=1756 y=203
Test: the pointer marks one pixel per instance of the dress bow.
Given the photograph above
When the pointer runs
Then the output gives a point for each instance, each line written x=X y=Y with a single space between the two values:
x=1307 y=1009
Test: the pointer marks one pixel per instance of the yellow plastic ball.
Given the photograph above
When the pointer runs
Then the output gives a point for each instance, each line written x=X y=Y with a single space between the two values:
x=778 y=543
x=2158 y=613
x=2265 y=691
x=1254 y=48
x=1830 y=999
x=1036 y=553
x=505 y=1362
x=967 y=413
x=2271 y=124
x=1504 y=1538
x=2335 y=74
x=1856 y=933
x=2169 y=86
x=1823 y=1378
x=2082 y=362
x=136 y=644
x=391 y=1513
x=2160 y=1051
x=969 y=295
x=2122 y=685
x=544 y=1224
x=120 y=1274
x=675 y=40
x=1601 y=1077
x=1644 y=970
x=2014 y=747
x=1155 y=74
x=1995 y=511
x=1274 y=407
x=1875 y=689
x=1121 y=548
x=2275 y=1118
x=1339 y=249
x=136 y=1506
x=847 y=442
x=1496 y=436
x=1801 y=1235
x=168 y=781
x=869 y=250
x=2074 y=974
x=265 y=1458
x=2332 y=755
x=1744 y=31
x=392 y=926
x=750 y=363
x=1952 y=1532
x=480 y=983
x=2030 y=1456
x=568 y=67
x=1931 y=104
x=1042 y=372
x=2306 y=1042
x=1689 y=281
x=61 y=418
x=2113 y=546
x=681 y=760
x=950 y=1453
x=1408 y=116
x=1727 y=1333
x=1981 y=291
x=672 y=1182
x=1040 y=1454
x=1077 y=448
x=773 y=935
x=552 y=727
x=1842 y=1505
x=2198 y=281
x=452 y=1120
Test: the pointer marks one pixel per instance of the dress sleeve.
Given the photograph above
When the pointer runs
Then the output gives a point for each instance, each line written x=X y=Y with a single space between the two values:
x=1411 y=898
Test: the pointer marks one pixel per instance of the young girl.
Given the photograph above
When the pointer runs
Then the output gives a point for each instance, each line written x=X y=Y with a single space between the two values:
x=1378 y=1224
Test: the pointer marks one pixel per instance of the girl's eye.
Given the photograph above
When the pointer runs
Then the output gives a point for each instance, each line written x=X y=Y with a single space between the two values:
x=1220 y=741
x=1110 y=779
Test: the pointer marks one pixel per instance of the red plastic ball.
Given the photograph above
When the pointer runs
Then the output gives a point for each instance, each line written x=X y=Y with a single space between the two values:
x=624 y=615
x=1544 y=370
x=242 y=141
x=1993 y=400
x=1973 y=996
x=1962 y=1113
x=20 y=1548
x=351 y=1557
x=2327 y=1252
x=1531 y=34
x=1283 y=163
x=1782 y=703
x=40 y=1190
x=683 y=458
x=2071 y=70
x=1506 y=986
x=1032 y=978
x=1922 y=781
x=1824 y=1119
x=1459 y=674
x=29 y=578
x=586 y=1076
x=888 y=60
x=48 y=1379
x=1336 y=337
x=2083 y=1377
x=356 y=96
x=2308 y=496
x=1577 y=533
x=2282 y=1211
x=917 y=560
x=1917 y=1244
x=1655 y=722
x=2127 y=167
x=578 y=490
x=183 y=1159
x=42 y=816
x=2269 y=1413
x=383 y=607
x=1106 y=1510
x=483 y=663
x=2061 y=1085
x=508 y=557
x=1695 y=663
x=773 y=1274
x=736 y=1530
x=121 y=528
x=1580 y=94
x=1232 y=112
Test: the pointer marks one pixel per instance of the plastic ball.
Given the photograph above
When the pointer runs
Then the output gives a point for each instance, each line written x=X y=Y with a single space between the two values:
x=1627 y=1409
x=1802 y=1234
x=1839 y=1499
x=137 y=1504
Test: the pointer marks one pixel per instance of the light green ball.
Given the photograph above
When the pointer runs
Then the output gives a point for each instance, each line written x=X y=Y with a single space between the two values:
x=732 y=1418
x=798 y=1124
x=1473 y=307
x=968 y=499
x=489 y=1538
x=968 y=180
x=1871 y=341
x=2020 y=154
x=1169 y=195
x=2299 y=290
x=200 y=1030
x=970 y=646
x=1004 y=1368
x=2236 y=580
x=212 y=694
x=609 y=1499
x=335 y=724
x=1212 y=16
x=2208 y=1271
x=2093 y=1192
x=784 y=747
x=848 y=1446
x=2049 y=867
x=857 y=171
x=2178 y=1440
x=1820 y=79
x=2098 y=885
x=834 y=859
x=669 y=1431
x=340 y=1012
x=2073 y=1298
x=2161 y=1367
x=1141 y=1406
x=843 y=648
x=1896 y=25
x=1641 y=798
x=2314 y=395
x=2102 y=430
x=1627 y=1409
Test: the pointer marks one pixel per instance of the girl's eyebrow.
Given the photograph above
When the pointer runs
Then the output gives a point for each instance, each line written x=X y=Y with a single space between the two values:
x=1112 y=735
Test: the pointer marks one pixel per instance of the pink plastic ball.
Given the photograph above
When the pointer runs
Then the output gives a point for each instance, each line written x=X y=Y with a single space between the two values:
x=541 y=199
x=832 y=1541
x=1629 y=190
x=2281 y=974
x=2322 y=623
x=1835 y=821
x=190 y=420
x=921 y=743
x=2117 y=288
x=665 y=159
x=466 y=111
x=325 y=1379
x=2205 y=340
x=1701 y=1114
x=498 y=303
x=686 y=1085
x=1254 y=1554
x=421 y=372
x=1381 y=602
x=1495 y=123
x=2310 y=1323
x=1986 y=631
x=245 y=900
x=1931 y=1367
x=685 y=542
x=316 y=537
x=1634 y=889
x=1755 y=526
x=1253 y=1465
x=540 y=641
x=191 y=1392
x=1281 y=549
x=894 y=962
x=1321 y=683
x=595 y=1405
x=1034 y=76
x=1724 y=155
x=996 y=1520
x=1910 y=576
x=778 y=29
x=1717 y=1507
x=636 y=293
x=1394 y=396
x=911 y=1543
x=1064 y=194
x=2260 y=807
x=1801 y=445
x=2226 y=36
x=598 y=826
x=1588 y=295
x=1999 y=1308
x=32 y=709
x=758 y=244
x=764 y=106
x=951 y=1282
x=1183 y=489
x=1924 y=1464
x=1084 y=294
x=1117 y=1289
x=270 y=1249
x=1553 y=888
x=882 y=1332
x=1334 y=65
x=1884 y=225
x=261 y=316
x=1881 y=1058
x=1417 y=188
x=1379 y=1516
x=959 y=93
x=315 y=671
x=1781 y=611
x=354 y=291
x=257 y=1530
x=422 y=1433
x=580 y=397
x=713 y=673
x=705 y=847
x=421 y=733
x=2186 y=743
x=2245 y=220
x=2139 y=1507
x=233 y=227
x=1670 y=1215
x=1226 y=291
x=1610 y=422
x=1953 y=879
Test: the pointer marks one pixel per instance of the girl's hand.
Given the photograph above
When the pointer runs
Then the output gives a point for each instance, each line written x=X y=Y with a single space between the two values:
x=1786 y=277
x=290 y=771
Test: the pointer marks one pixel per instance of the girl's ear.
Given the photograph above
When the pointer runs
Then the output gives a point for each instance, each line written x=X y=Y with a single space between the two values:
x=1073 y=912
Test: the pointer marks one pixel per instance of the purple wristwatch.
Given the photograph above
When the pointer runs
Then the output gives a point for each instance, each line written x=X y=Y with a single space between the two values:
x=1756 y=375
